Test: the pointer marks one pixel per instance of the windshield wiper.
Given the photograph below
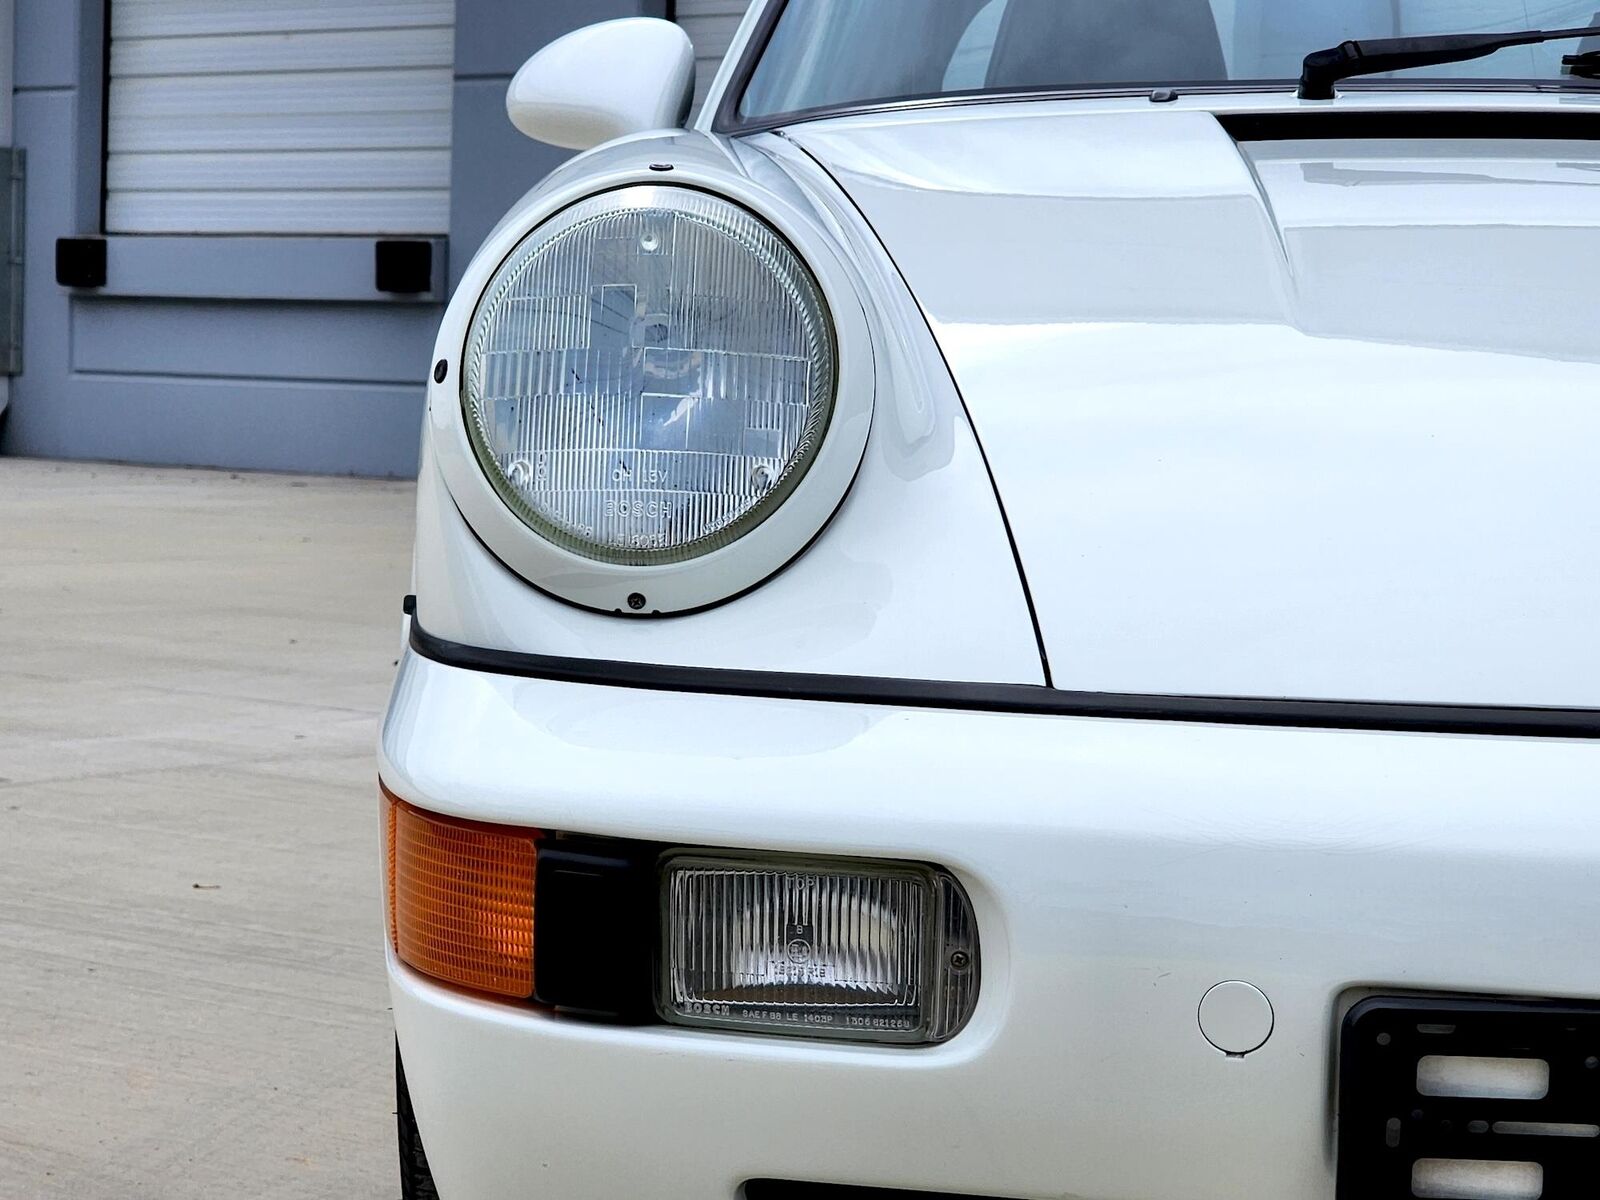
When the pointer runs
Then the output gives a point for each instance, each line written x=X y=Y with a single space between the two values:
x=1324 y=68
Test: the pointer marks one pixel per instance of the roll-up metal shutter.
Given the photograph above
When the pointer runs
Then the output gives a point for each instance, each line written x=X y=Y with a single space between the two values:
x=279 y=116
x=710 y=25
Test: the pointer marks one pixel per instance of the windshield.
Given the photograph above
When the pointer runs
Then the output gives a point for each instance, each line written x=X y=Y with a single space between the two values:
x=830 y=53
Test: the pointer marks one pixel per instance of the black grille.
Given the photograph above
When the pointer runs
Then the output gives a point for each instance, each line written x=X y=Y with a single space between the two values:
x=1544 y=1130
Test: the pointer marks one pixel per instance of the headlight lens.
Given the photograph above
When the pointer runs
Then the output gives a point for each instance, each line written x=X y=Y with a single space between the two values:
x=648 y=375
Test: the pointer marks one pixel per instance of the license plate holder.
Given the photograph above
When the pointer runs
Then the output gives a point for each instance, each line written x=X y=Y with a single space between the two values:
x=1386 y=1125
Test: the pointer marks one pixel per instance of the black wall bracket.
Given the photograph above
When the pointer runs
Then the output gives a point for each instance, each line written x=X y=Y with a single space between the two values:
x=403 y=267
x=81 y=262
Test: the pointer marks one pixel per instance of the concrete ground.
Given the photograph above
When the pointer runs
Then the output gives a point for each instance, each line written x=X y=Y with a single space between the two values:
x=192 y=665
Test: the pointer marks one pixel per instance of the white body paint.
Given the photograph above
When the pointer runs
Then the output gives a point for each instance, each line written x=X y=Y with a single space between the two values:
x=1314 y=420
x=604 y=81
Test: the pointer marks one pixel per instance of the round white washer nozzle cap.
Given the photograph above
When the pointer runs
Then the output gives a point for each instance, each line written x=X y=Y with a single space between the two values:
x=1236 y=1017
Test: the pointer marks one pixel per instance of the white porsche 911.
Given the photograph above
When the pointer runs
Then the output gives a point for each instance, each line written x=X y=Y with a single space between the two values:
x=1014 y=614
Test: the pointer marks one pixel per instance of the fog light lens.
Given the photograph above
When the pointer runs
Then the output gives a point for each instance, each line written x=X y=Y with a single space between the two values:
x=820 y=948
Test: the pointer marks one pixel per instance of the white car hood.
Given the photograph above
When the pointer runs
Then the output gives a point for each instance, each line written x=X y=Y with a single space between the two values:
x=1310 y=419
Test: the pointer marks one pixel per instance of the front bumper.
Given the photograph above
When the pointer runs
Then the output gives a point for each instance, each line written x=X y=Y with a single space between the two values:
x=1119 y=869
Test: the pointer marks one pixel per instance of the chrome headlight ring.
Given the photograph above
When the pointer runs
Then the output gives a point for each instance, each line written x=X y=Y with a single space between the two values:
x=591 y=427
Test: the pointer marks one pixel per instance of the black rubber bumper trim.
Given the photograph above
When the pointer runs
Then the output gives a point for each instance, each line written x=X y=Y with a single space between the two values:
x=1028 y=699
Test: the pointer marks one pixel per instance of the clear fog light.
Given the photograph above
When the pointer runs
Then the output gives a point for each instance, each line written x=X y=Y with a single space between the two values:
x=814 y=947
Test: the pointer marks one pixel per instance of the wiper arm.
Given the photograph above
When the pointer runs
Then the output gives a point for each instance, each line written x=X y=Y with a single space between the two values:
x=1324 y=68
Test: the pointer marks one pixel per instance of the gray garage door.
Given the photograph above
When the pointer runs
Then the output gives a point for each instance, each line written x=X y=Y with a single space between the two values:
x=710 y=24
x=279 y=116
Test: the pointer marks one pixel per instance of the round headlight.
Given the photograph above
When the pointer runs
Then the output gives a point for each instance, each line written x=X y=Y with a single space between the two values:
x=649 y=374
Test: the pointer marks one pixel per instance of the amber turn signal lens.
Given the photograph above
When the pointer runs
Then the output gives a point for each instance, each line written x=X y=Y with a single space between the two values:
x=461 y=899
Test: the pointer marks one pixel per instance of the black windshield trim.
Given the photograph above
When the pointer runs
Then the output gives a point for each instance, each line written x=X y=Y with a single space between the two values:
x=728 y=118
x=1014 y=698
x=731 y=122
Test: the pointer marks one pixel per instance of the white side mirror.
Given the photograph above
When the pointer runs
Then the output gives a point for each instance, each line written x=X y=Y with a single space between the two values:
x=603 y=82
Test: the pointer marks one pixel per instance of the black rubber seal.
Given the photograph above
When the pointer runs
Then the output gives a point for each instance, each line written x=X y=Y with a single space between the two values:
x=1029 y=699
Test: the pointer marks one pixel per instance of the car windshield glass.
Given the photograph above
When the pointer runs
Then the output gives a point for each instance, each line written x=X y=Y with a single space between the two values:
x=831 y=53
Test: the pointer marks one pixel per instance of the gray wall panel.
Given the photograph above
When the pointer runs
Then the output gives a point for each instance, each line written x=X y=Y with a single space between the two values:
x=47 y=43
x=495 y=37
x=492 y=166
x=347 y=429
x=251 y=268
x=244 y=340
x=43 y=125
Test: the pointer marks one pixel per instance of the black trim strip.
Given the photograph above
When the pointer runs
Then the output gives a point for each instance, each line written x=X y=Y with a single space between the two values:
x=1419 y=125
x=785 y=1189
x=1029 y=699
